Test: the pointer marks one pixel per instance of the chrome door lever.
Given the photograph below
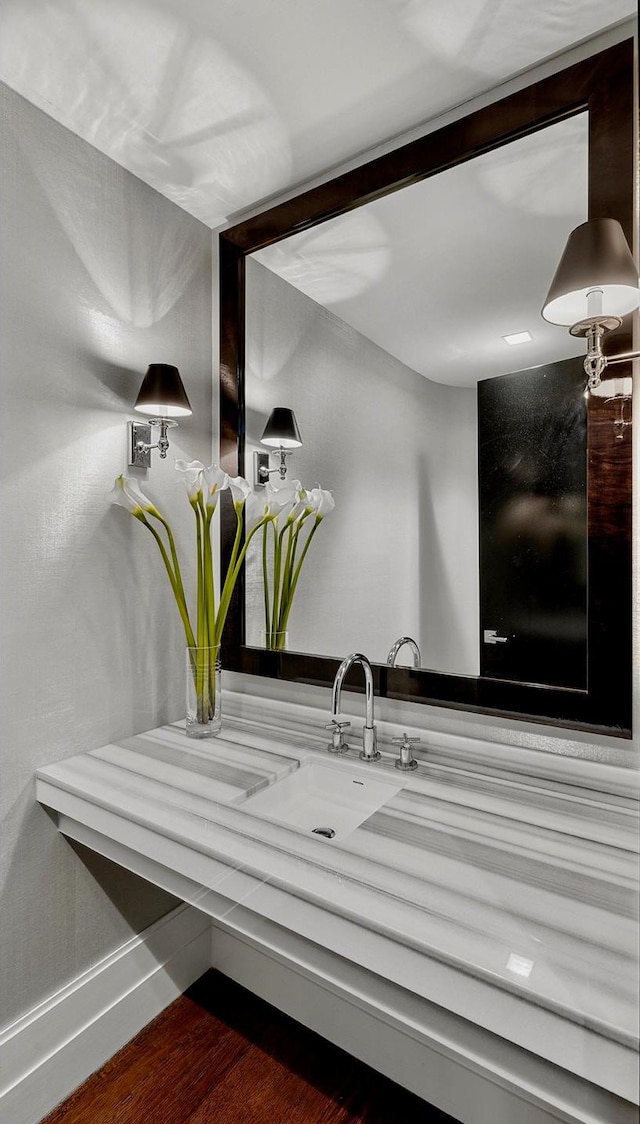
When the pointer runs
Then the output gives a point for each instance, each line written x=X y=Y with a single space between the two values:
x=491 y=637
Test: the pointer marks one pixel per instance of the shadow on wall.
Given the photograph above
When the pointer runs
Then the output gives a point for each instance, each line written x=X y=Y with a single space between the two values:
x=157 y=95
x=140 y=263
x=38 y=869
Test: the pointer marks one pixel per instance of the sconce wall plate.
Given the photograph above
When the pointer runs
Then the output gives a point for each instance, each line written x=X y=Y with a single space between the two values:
x=260 y=469
x=139 y=434
x=139 y=444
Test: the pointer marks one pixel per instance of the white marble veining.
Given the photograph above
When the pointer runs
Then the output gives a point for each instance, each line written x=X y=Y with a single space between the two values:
x=505 y=896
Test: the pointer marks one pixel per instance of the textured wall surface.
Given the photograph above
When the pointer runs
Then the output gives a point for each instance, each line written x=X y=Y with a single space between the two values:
x=100 y=276
x=399 y=554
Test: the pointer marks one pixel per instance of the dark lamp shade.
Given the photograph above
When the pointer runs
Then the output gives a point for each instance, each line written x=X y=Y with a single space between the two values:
x=596 y=256
x=281 y=429
x=162 y=394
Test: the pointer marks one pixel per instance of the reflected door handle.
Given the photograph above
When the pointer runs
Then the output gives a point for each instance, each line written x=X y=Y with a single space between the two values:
x=491 y=637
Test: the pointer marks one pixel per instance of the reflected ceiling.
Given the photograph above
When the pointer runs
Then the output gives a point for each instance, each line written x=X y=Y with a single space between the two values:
x=438 y=273
x=220 y=105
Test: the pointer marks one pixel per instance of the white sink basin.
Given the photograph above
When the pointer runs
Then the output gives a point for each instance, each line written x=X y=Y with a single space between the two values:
x=326 y=800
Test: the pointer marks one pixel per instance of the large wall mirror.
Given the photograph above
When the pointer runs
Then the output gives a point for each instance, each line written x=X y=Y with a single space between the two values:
x=483 y=504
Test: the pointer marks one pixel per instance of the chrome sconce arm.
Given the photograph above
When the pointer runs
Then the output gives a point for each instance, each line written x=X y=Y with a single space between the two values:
x=139 y=441
x=262 y=471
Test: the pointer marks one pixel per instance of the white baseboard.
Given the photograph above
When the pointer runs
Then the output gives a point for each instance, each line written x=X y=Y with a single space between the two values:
x=52 y=1049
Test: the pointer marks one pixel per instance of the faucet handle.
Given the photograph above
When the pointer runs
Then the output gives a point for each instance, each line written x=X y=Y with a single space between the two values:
x=337 y=743
x=406 y=760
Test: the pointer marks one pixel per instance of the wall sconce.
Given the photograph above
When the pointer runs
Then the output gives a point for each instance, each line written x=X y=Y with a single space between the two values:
x=281 y=432
x=163 y=396
x=595 y=285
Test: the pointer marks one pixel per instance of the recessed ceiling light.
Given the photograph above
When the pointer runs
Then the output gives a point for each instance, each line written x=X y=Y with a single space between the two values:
x=518 y=337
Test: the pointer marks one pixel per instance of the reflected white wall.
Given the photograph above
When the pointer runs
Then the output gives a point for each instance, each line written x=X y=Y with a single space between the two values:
x=398 y=555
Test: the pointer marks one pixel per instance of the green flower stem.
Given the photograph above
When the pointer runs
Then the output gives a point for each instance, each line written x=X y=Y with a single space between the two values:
x=209 y=581
x=210 y=603
x=286 y=573
x=174 y=556
x=277 y=578
x=178 y=592
x=296 y=575
x=239 y=510
x=200 y=581
x=265 y=583
x=231 y=579
x=287 y=591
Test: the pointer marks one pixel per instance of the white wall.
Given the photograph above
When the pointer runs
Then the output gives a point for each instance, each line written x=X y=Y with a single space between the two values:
x=100 y=276
x=399 y=554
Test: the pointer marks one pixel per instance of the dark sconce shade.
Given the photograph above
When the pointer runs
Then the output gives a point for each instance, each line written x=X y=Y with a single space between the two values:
x=281 y=430
x=162 y=393
x=596 y=260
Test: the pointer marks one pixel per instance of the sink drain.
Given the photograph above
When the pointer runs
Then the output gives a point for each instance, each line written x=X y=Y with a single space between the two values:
x=328 y=832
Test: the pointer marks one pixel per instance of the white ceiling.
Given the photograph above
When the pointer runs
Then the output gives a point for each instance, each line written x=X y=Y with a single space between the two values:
x=220 y=104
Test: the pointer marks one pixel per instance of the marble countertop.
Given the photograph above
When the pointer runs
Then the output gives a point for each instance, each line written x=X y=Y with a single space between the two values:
x=503 y=894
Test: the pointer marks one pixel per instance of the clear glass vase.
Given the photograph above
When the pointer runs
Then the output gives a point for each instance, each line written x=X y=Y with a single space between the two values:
x=275 y=641
x=203 y=681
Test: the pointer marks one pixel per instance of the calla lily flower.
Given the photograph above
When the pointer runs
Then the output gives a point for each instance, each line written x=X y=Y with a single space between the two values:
x=290 y=540
x=323 y=502
x=192 y=472
x=126 y=493
x=282 y=560
x=214 y=481
x=240 y=490
x=276 y=499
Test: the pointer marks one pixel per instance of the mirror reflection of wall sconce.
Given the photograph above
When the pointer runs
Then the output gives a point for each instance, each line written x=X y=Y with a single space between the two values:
x=617 y=391
x=595 y=285
x=162 y=396
x=282 y=434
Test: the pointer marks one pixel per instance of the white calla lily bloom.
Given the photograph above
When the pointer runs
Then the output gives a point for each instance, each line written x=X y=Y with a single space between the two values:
x=320 y=501
x=127 y=494
x=214 y=481
x=240 y=490
x=277 y=499
x=192 y=472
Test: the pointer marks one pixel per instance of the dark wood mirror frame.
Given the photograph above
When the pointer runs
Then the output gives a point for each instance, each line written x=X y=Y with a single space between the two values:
x=602 y=85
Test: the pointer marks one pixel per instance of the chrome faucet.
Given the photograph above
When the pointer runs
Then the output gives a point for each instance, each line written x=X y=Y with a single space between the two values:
x=369 y=737
x=393 y=654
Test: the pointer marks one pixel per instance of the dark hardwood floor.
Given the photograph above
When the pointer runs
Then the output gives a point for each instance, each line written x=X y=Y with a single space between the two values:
x=219 y=1054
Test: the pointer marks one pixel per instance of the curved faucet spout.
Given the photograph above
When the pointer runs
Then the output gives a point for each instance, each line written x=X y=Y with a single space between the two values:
x=410 y=642
x=369 y=736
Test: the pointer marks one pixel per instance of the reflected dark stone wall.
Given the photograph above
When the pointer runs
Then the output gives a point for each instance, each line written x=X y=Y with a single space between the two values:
x=532 y=450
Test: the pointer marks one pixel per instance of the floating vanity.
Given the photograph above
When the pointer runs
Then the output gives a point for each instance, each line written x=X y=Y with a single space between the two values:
x=470 y=927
